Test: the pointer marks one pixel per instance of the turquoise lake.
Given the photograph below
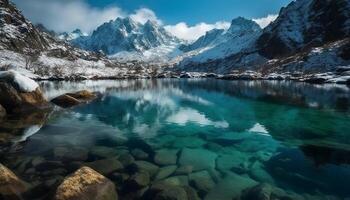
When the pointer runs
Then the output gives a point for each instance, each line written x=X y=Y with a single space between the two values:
x=219 y=137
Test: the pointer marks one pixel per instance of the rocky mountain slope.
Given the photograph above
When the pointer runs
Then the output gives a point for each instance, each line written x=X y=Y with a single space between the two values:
x=35 y=52
x=309 y=36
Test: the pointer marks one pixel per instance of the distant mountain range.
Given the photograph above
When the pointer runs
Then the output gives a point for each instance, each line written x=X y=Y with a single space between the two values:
x=308 y=36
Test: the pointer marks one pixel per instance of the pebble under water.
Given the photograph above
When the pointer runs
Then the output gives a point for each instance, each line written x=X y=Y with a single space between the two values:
x=222 y=139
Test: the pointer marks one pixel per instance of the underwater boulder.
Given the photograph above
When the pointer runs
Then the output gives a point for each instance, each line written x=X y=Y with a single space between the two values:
x=86 y=184
x=11 y=187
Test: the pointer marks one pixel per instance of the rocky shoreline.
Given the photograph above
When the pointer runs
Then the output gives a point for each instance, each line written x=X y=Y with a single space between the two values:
x=340 y=76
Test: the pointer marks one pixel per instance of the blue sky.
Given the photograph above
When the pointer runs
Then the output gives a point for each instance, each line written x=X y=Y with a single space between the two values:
x=195 y=11
x=186 y=19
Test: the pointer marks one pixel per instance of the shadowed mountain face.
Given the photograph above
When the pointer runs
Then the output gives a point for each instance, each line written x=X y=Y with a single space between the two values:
x=304 y=24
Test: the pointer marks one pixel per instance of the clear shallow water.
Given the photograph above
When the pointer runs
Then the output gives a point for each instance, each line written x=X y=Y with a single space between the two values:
x=293 y=136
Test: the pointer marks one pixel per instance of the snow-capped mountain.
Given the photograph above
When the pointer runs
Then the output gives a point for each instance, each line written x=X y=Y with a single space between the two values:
x=217 y=44
x=211 y=38
x=125 y=35
x=308 y=36
x=72 y=35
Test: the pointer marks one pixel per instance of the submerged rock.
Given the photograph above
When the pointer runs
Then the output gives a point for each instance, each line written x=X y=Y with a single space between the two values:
x=106 y=166
x=103 y=152
x=177 y=181
x=138 y=180
x=86 y=184
x=144 y=166
x=73 y=99
x=20 y=94
x=10 y=185
x=199 y=159
x=267 y=192
x=139 y=154
x=70 y=154
x=166 y=157
x=162 y=190
x=165 y=172
x=202 y=181
x=230 y=187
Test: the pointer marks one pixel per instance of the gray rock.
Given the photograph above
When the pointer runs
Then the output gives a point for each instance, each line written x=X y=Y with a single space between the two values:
x=106 y=166
x=266 y=192
x=165 y=172
x=230 y=187
x=139 y=180
x=259 y=174
x=166 y=157
x=103 y=152
x=147 y=167
x=126 y=159
x=177 y=181
x=184 y=170
x=162 y=190
x=199 y=159
x=202 y=181
x=191 y=193
x=139 y=154
x=236 y=162
x=173 y=193
x=37 y=160
x=70 y=154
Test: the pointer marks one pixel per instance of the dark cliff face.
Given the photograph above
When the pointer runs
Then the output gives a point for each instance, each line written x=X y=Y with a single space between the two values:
x=303 y=24
x=16 y=33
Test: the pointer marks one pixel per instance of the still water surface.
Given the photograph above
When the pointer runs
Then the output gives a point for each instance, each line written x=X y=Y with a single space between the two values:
x=234 y=134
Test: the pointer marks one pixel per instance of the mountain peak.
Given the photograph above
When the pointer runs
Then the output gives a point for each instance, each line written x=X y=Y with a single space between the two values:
x=125 y=34
x=241 y=24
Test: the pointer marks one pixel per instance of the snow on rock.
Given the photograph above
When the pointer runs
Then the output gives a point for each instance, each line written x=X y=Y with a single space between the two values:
x=23 y=83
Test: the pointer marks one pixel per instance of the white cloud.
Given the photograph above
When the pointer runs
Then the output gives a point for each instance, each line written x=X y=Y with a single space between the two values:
x=142 y=15
x=263 y=22
x=67 y=15
x=183 y=31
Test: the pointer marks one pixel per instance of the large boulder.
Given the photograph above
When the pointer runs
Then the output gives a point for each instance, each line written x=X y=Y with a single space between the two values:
x=20 y=94
x=73 y=99
x=11 y=186
x=86 y=184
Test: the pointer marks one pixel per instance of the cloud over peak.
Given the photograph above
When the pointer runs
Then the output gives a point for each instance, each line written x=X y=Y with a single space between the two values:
x=265 y=21
x=142 y=15
x=183 y=31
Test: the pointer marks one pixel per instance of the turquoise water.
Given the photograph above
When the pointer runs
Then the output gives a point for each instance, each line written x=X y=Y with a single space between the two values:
x=233 y=135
